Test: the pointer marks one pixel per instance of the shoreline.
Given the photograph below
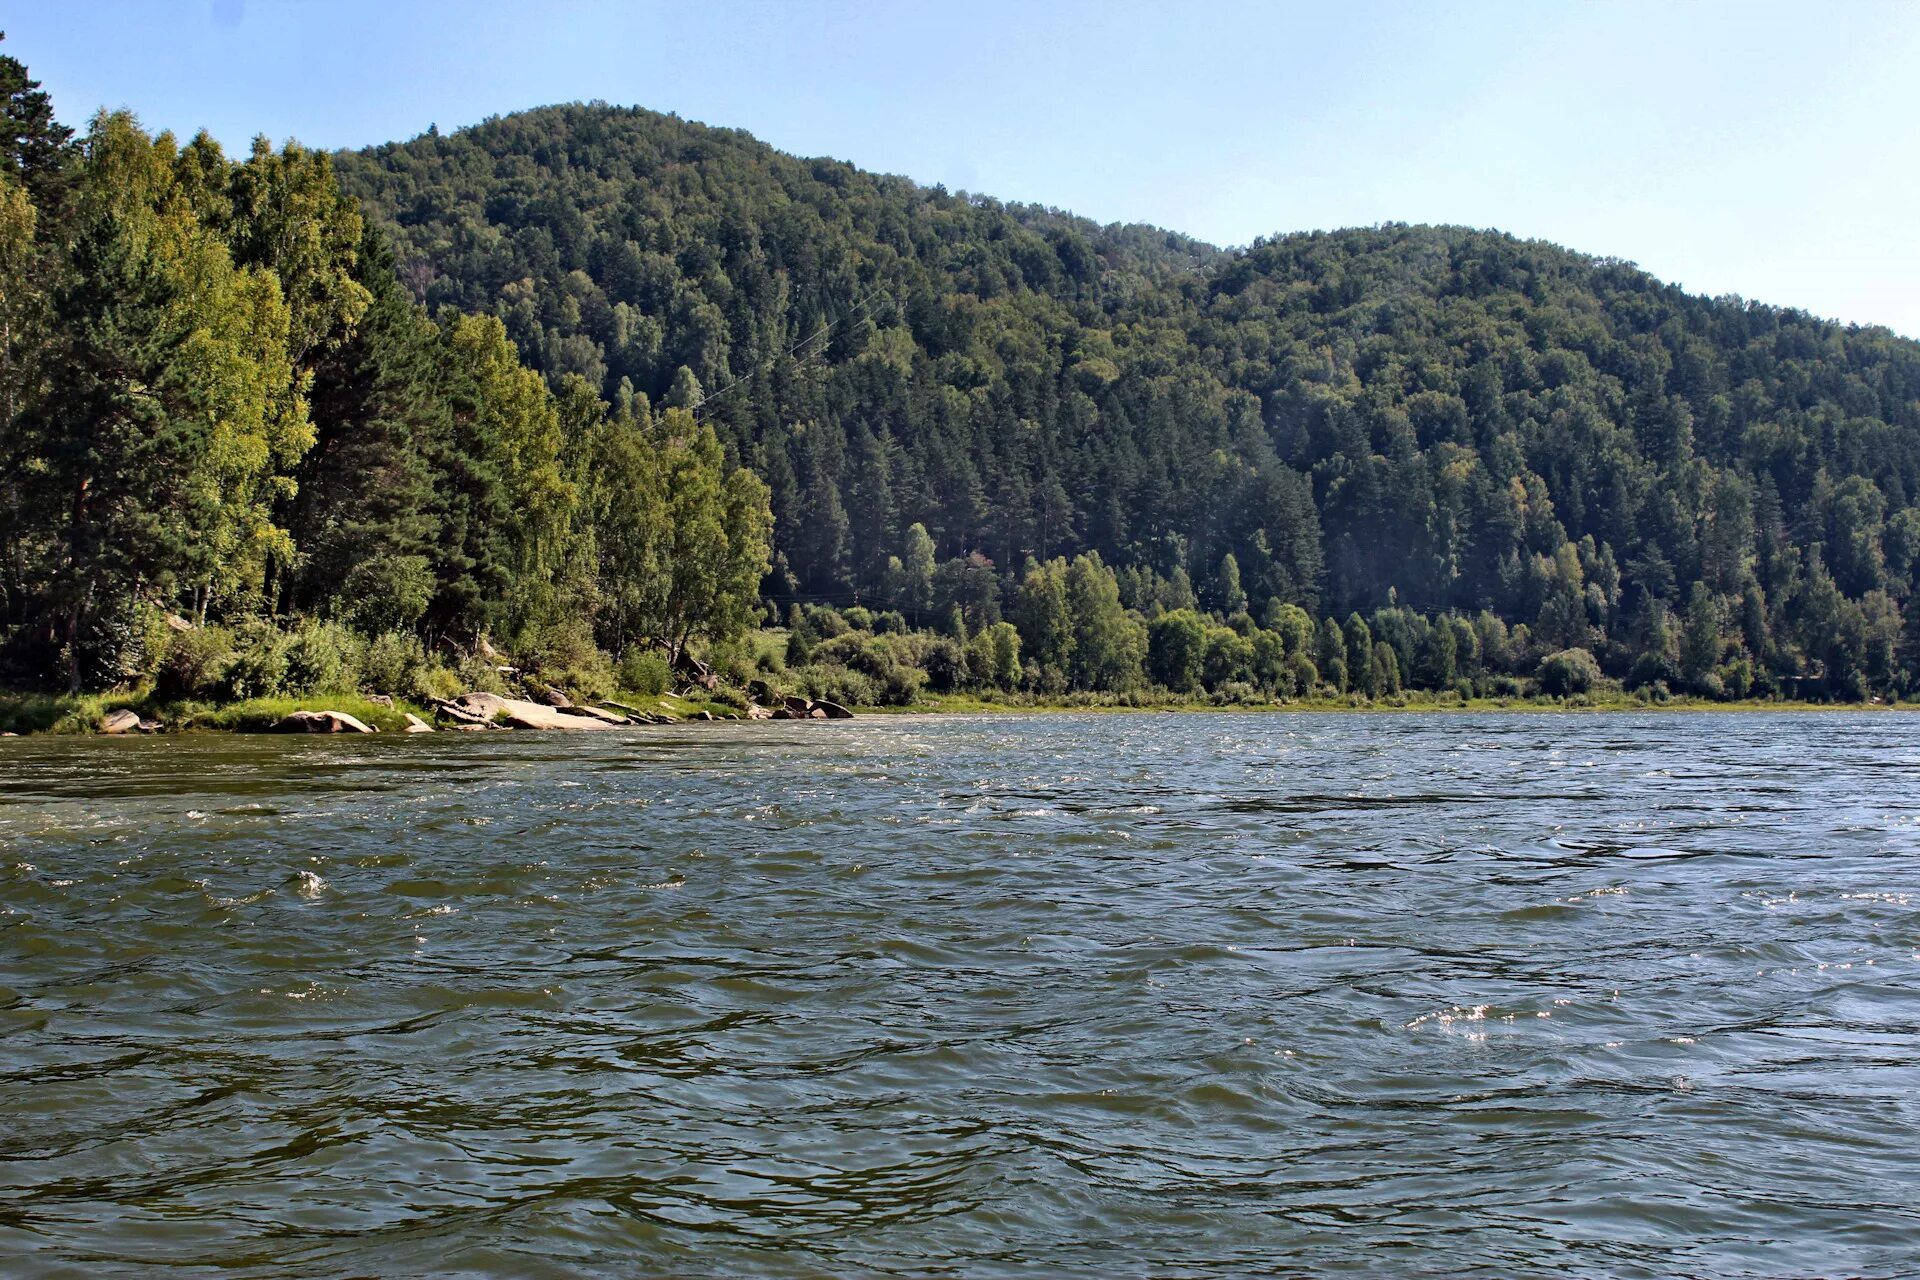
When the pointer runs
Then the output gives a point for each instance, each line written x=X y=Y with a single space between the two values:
x=36 y=715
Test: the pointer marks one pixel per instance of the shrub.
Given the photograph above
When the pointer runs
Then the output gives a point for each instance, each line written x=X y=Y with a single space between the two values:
x=826 y=622
x=1237 y=693
x=475 y=674
x=769 y=663
x=1568 y=672
x=834 y=684
x=320 y=658
x=194 y=663
x=946 y=665
x=563 y=653
x=645 y=671
x=799 y=649
x=394 y=663
x=732 y=662
x=858 y=617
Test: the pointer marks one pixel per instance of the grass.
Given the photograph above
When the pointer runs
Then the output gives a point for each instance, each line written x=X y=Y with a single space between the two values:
x=1599 y=701
x=63 y=713
x=25 y=713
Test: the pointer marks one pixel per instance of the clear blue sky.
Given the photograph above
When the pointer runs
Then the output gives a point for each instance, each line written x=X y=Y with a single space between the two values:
x=1754 y=148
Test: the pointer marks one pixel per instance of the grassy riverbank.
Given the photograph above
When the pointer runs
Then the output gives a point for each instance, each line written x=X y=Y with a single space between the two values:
x=974 y=704
x=29 y=713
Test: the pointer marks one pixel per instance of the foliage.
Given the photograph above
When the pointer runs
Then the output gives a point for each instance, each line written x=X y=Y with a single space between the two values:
x=218 y=401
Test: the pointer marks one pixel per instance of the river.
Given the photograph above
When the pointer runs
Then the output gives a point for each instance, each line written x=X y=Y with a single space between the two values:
x=1102 y=995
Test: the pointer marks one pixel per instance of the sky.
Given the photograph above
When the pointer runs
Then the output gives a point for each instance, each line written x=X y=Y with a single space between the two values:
x=1759 y=149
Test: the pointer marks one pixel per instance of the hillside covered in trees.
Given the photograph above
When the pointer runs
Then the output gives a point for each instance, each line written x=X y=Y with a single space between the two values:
x=1435 y=422
x=589 y=382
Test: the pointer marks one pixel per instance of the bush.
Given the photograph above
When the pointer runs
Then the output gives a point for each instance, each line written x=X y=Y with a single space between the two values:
x=946 y=665
x=799 y=649
x=475 y=674
x=769 y=663
x=732 y=662
x=1568 y=672
x=645 y=671
x=834 y=684
x=563 y=654
x=257 y=667
x=826 y=622
x=194 y=664
x=1505 y=687
x=394 y=663
x=1237 y=693
x=319 y=659
x=858 y=617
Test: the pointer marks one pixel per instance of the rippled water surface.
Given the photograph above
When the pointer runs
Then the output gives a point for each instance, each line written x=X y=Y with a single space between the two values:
x=1160 y=995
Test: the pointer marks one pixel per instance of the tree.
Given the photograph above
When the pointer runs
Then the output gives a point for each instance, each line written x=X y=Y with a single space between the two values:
x=1045 y=619
x=34 y=147
x=1109 y=647
x=169 y=407
x=1176 y=650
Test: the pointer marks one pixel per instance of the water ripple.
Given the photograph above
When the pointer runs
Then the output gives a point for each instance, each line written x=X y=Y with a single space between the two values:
x=1073 y=995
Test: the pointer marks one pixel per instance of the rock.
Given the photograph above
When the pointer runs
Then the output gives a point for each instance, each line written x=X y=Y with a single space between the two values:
x=517 y=713
x=121 y=721
x=818 y=713
x=834 y=710
x=554 y=698
x=380 y=700
x=761 y=691
x=781 y=713
x=798 y=706
x=697 y=672
x=416 y=725
x=485 y=650
x=320 y=722
x=593 y=713
x=151 y=726
x=757 y=712
x=177 y=623
x=466 y=719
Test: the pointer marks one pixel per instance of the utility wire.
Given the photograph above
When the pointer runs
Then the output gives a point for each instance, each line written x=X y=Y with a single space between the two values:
x=873 y=295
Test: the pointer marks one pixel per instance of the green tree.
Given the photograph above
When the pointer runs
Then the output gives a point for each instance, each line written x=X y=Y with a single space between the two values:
x=1176 y=650
x=1109 y=647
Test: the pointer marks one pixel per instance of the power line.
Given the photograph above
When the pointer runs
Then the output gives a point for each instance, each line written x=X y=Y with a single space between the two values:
x=872 y=295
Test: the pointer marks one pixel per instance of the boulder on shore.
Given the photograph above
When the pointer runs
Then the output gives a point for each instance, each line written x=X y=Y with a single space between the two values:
x=518 y=713
x=592 y=713
x=121 y=721
x=416 y=725
x=321 y=722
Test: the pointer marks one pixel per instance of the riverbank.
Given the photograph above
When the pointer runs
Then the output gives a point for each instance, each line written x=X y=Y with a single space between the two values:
x=31 y=713
x=934 y=704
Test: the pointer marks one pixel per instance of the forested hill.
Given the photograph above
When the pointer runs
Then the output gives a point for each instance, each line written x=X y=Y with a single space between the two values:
x=1444 y=418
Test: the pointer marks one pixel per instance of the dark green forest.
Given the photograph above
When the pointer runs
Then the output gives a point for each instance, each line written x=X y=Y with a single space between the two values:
x=540 y=383
x=1438 y=423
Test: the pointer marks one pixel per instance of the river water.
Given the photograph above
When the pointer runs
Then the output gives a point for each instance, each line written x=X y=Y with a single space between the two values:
x=1102 y=995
